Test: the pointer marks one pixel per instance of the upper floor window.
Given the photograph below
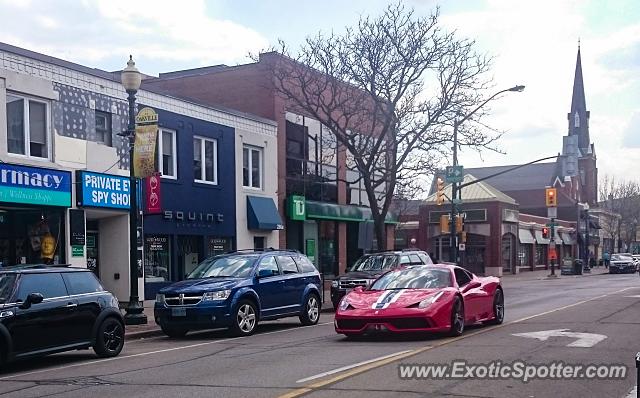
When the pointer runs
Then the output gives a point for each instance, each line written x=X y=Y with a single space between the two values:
x=251 y=167
x=27 y=126
x=167 y=153
x=205 y=168
x=103 y=128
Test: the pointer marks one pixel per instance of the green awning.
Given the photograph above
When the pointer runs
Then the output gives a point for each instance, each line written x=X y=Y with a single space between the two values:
x=332 y=211
x=263 y=214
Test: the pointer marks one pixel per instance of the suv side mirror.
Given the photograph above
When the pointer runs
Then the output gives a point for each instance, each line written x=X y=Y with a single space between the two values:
x=32 y=298
x=263 y=273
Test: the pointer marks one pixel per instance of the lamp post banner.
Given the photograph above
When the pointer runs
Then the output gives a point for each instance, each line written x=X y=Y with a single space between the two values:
x=144 y=150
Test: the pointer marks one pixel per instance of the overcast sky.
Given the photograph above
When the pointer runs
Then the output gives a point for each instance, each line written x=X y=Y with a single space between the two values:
x=534 y=42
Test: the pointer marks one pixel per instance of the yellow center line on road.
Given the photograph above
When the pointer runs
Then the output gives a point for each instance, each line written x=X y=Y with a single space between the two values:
x=298 y=392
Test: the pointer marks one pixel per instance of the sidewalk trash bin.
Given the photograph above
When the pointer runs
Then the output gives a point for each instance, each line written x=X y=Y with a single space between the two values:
x=577 y=264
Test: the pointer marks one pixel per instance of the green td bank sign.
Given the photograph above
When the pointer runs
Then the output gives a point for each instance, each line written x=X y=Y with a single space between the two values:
x=296 y=208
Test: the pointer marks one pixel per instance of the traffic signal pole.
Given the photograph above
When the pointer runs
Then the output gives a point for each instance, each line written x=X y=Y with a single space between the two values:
x=453 y=245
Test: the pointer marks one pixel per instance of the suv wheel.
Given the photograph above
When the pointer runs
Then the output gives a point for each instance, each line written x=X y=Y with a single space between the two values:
x=110 y=338
x=174 y=332
x=311 y=312
x=245 y=319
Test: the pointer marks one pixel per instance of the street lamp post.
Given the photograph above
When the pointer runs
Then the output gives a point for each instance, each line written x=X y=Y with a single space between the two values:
x=131 y=80
x=453 y=247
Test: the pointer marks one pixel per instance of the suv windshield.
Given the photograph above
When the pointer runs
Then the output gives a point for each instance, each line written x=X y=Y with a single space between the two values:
x=415 y=278
x=374 y=263
x=7 y=281
x=230 y=266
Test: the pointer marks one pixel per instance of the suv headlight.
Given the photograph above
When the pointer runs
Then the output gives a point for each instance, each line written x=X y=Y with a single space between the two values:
x=6 y=314
x=160 y=298
x=218 y=295
x=344 y=304
x=430 y=300
x=334 y=283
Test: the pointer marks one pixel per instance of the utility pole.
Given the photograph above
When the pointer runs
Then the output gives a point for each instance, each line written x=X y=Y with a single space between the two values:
x=453 y=244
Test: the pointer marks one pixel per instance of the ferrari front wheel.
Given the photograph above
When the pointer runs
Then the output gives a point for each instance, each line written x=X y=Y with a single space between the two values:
x=498 y=308
x=457 y=318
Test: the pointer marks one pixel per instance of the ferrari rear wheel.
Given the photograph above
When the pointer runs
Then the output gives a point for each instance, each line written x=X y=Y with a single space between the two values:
x=457 y=318
x=498 y=308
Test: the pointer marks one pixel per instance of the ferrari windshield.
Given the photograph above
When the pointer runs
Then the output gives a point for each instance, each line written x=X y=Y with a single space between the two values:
x=231 y=266
x=374 y=263
x=414 y=278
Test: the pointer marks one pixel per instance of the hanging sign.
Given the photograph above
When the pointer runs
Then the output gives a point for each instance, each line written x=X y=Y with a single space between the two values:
x=152 y=194
x=144 y=150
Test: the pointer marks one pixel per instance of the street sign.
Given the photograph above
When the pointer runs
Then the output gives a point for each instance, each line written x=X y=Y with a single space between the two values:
x=552 y=212
x=462 y=247
x=583 y=340
x=454 y=174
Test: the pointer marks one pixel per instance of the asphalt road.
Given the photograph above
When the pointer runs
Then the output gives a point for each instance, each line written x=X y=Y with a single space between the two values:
x=284 y=359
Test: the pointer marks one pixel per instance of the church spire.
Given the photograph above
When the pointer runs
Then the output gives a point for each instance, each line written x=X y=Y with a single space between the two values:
x=579 y=116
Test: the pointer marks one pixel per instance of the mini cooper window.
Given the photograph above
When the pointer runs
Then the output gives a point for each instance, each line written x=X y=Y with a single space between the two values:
x=416 y=278
x=81 y=282
x=7 y=283
x=48 y=284
x=217 y=267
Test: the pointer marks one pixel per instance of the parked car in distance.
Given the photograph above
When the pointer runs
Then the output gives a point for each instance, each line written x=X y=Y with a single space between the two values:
x=439 y=298
x=622 y=263
x=370 y=266
x=239 y=289
x=44 y=310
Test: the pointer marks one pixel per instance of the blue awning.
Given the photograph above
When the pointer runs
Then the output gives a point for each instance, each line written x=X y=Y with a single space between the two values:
x=263 y=214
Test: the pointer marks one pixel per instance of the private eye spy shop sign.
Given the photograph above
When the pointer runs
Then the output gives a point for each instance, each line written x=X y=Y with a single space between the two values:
x=102 y=190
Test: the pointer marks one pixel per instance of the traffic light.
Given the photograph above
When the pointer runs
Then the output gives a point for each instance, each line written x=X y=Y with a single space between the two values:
x=444 y=224
x=551 y=197
x=545 y=233
x=440 y=191
x=459 y=224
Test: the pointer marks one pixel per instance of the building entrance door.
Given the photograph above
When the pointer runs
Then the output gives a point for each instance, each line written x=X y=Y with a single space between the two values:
x=507 y=250
x=93 y=254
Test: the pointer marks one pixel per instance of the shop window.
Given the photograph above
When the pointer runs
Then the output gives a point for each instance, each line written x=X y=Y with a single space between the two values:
x=328 y=247
x=157 y=258
x=251 y=167
x=205 y=159
x=258 y=242
x=167 y=157
x=27 y=126
x=541 y=254
x=31 y=237
x=103 y=128
x=524 y=255
x=218 y=246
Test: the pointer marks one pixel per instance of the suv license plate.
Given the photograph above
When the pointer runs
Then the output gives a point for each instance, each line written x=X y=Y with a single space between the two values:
x=178 y=312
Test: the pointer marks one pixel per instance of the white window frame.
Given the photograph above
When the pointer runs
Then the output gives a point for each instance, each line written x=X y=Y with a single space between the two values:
x=174 y=153
x=260 y=151
x=203 y=171
x=27 y=128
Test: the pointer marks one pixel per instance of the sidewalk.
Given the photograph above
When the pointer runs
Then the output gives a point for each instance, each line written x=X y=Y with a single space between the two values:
x=152 y=329
x=544 y=274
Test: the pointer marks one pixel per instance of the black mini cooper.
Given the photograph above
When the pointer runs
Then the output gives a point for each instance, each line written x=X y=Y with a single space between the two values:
x=44 y=310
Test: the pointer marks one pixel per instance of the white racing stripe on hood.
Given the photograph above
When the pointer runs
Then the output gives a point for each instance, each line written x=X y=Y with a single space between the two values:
x=386 y=298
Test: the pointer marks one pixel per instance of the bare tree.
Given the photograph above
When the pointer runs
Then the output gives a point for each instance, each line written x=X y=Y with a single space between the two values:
x=389 y=89
x=621 y=197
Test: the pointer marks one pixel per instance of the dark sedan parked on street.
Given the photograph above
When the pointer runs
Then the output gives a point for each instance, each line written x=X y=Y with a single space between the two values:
x=44 y=310
x=622 y=263
x=239 y=289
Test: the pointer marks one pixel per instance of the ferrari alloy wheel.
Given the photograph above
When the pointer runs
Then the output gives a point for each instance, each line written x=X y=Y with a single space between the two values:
x=457 y=318
x=498 y=307
x=311 y=311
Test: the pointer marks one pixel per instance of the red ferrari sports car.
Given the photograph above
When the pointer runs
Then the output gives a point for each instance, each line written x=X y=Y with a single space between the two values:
x=437 y=298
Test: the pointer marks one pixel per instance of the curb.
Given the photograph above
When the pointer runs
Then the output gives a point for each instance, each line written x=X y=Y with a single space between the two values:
x=143 y=334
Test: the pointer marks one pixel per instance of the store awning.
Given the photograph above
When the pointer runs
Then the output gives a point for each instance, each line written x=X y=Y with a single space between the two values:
x=557 y=237
x=332 y=211
x=567 y=239
x=540 y=239
x=526 y=237
x=263 y=214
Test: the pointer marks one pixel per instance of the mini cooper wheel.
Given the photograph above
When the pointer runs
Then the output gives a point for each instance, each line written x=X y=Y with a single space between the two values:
x=498 y=308
x=110 y=338
x=311 y=312
x=457 y=318
x=174 y=332
x=245 y=319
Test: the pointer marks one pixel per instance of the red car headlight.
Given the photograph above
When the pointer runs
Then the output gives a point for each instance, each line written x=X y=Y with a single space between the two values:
x=430 y=300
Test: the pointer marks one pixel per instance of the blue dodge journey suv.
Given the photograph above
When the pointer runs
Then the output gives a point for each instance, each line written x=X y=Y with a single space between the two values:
x=236 y=290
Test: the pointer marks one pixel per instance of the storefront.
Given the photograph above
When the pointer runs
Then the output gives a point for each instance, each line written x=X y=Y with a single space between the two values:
x=33 y=203
x=104 y=198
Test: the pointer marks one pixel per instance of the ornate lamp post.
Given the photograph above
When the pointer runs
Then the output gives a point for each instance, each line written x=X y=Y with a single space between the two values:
x=131 y=80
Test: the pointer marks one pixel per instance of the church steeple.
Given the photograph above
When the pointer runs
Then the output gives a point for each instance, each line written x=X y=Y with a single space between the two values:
x=579 y=116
